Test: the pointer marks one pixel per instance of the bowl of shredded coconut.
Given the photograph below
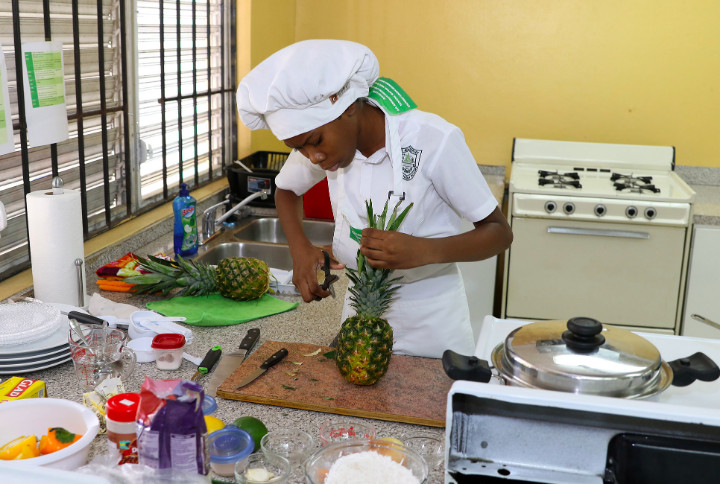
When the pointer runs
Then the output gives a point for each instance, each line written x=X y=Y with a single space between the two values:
x=366 y=462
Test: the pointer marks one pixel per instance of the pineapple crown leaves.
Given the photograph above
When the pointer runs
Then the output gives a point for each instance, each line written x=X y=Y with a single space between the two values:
x=373 y=290
x=378 y=221
x=164 y=276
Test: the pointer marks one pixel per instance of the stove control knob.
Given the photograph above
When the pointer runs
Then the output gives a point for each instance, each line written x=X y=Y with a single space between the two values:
x=650 y=213
x=631 y=212
x=569 y=208
x=550 y=207
x=600 y=210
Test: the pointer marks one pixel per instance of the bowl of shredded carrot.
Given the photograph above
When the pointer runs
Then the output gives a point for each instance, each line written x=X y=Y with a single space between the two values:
x=48 y=432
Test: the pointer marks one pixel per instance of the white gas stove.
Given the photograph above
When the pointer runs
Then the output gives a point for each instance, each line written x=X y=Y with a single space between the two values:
x=601 y=230
x=499 y=433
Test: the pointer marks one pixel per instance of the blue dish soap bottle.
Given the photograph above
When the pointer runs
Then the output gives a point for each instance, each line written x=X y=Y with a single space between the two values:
x=186 y=233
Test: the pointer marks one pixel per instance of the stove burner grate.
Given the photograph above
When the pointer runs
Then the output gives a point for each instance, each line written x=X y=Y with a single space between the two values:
x=559 y=180
x=620 y=178
x=632 y=183
x=636 y=188
x=559 y=183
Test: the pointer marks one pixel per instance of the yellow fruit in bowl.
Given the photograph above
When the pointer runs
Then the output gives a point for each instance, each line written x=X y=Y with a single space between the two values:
x=390 y=447
x=392 y=440
x=28 y=452
x=213 y=423
x=16 y=449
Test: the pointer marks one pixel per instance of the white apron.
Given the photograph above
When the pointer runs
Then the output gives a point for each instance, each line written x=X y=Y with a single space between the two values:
x=430 y=312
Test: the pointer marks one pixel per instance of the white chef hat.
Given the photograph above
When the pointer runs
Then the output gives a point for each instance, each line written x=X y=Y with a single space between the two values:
x=289 y=92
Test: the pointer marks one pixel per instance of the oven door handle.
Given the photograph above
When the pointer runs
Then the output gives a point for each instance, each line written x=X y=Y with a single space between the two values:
x=627 y=234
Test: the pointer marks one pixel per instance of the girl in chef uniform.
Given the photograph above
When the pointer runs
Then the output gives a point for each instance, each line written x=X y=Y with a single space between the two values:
x=324 y=99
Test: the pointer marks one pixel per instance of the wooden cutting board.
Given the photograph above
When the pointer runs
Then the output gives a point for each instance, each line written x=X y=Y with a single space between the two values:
x=414 y=390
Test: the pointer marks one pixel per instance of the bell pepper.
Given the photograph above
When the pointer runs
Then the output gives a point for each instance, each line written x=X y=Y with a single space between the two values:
x=57 y=438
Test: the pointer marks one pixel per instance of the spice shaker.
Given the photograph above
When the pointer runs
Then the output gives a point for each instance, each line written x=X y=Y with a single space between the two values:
x=120 y=412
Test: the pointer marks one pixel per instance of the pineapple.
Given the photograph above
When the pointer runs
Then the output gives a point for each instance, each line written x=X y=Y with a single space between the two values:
x=239 y=278
x=365 y=341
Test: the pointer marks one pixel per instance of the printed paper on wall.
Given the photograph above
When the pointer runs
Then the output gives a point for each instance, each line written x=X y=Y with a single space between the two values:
x=44 y=88
x=6 y=132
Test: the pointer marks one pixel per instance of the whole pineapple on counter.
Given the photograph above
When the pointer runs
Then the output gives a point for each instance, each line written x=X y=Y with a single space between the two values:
x=239 y=278
x=365 y=341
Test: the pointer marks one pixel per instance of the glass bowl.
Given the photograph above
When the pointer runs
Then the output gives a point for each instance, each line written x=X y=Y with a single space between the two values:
x=318 y=465
x=294 y=445
x=257 y=468
x=342 y=429
x=430 y=446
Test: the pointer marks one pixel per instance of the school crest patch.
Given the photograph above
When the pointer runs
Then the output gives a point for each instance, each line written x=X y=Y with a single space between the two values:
x=410 y=162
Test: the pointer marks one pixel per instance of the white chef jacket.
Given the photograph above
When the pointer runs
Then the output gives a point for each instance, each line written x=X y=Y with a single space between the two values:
x=440 y=177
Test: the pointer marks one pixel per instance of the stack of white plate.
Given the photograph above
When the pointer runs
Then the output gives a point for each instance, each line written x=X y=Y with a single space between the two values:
x=45 y=351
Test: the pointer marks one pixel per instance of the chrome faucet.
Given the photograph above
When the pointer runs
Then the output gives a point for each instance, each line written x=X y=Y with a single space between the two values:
x=208 y=219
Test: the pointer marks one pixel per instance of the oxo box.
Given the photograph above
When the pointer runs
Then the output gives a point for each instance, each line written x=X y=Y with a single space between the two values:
x=18 y=387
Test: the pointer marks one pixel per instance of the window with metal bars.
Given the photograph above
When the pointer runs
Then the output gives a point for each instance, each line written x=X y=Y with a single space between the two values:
x=150 y=99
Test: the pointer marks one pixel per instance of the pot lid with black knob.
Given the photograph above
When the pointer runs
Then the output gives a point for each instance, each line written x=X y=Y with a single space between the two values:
x=581 y=355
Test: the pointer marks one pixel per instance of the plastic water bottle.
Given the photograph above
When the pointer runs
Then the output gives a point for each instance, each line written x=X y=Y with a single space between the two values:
x=186 y=233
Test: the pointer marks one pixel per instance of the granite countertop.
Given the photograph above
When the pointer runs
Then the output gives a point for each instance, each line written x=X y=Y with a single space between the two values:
x=314 y=323
x=706 y=209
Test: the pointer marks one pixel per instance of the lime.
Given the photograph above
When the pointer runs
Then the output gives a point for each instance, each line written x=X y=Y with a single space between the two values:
x=213 y=423
x=254 y=427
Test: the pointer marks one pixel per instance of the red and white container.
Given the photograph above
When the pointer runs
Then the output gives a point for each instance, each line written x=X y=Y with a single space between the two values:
x=168 y=348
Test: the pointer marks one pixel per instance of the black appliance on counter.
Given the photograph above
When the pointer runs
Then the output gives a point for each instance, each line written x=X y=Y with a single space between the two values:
x=265 y=166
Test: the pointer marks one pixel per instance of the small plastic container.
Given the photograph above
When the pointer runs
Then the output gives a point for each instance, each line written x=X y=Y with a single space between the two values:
x=120 y=412
x=168 y=348
x=209 y=405
x=227 y=446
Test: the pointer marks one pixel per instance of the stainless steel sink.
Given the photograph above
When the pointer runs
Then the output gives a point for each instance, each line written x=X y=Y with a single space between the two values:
x=261 y=238
x=270 y=231
x=277 y=256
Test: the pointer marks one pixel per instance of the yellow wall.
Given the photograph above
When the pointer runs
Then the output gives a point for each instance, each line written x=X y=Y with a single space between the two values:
x=615 y=71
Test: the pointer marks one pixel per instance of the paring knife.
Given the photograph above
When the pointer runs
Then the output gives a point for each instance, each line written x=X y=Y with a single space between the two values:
x=211 y=357
x=273 y=360
x=230 y=361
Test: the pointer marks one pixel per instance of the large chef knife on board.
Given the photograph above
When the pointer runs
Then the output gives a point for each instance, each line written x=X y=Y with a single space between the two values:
x=230 y=361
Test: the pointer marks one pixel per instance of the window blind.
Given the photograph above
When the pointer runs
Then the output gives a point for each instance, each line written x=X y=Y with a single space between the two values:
x=91 y=160
x=185 y=93
x=171 y=75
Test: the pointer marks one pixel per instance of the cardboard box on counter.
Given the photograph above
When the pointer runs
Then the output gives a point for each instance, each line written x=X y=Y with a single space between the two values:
x=18 y=387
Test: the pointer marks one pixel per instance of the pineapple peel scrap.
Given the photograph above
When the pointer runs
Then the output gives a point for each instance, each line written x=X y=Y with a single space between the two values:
x=314 y=353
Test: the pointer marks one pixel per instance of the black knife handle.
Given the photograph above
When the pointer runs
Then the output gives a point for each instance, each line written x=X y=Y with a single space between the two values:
x=274 y=359
x=210 y=359
x=250 y=339
x=84 y=318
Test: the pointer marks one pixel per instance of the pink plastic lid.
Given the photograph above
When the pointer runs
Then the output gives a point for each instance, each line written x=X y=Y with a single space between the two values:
x=168 y=341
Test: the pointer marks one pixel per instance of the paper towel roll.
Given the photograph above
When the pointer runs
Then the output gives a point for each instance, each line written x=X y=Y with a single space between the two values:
x=56 y=241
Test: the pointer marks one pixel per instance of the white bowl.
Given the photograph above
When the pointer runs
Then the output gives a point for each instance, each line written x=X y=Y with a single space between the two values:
x=148 y=324
x=35 y=415
x=143 y=349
